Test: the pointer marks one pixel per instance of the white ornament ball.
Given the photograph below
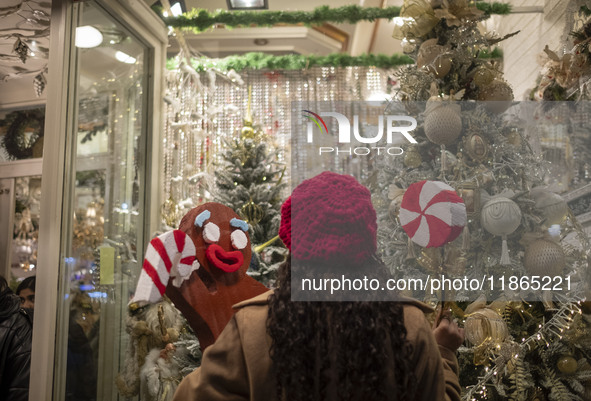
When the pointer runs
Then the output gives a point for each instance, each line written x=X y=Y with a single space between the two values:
x=500 y=216
x=485 y=325
x=497 y=96
x=552 y=205
x=443 y=124
x=433 y=57
x=544 y=258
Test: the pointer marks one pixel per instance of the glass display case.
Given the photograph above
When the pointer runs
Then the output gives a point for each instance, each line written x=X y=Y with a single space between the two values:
x=100 y=189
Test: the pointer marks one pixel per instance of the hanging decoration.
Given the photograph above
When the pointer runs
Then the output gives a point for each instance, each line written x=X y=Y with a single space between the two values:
x=501 y=216
x=205 y=112
x=25 y=41
x=432 y=214
x=21 y=49
x=544 y=257
x=39 y=83
x=199 y=19
x=260 y=61
x=443 y=123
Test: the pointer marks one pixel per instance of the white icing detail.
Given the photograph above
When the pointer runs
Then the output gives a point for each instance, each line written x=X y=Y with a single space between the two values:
x=183 y=272
x=239 y=240
x=211 y=233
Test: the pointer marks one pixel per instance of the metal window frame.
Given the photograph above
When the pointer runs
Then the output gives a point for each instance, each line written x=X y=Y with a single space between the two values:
x=138 y=18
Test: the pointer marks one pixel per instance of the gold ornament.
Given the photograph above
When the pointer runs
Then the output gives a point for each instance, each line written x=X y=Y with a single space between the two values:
x=567 y=364
x=430 y=259
x=247 y=131
x=544 y=257
x=498 y=96
x=252 y=212
x=552 y=205
x=476 y=146
x=171 y=212
x=443 y=123
x=412 y=158
x=485 y=327
x=483 y=76
x=432 y=56
x=417 y=19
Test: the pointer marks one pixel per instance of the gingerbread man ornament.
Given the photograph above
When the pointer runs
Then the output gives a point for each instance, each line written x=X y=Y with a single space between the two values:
x=202 y=268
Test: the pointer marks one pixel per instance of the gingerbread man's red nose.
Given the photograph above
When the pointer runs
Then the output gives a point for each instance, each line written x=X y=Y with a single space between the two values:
x=228 y=261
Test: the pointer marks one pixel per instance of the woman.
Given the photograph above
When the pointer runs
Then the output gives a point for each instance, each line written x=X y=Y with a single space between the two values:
x=278 y=349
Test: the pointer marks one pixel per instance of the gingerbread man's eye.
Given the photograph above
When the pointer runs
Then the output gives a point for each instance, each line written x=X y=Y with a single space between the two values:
x=239 y=240
x=211 y=233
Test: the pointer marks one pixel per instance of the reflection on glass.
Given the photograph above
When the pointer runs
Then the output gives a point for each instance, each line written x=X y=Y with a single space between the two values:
x=21 y=134
x=100 y=253
x=26 y=226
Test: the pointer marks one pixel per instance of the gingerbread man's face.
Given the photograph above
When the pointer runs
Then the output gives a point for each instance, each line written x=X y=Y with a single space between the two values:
x=221 y=239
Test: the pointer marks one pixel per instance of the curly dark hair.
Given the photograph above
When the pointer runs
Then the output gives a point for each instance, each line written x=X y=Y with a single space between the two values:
x=357 y=347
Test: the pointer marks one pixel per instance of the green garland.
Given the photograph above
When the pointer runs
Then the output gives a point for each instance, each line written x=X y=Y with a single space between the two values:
x=495 y=53
x=199 y=20
x=494 y=8
x=260 y=61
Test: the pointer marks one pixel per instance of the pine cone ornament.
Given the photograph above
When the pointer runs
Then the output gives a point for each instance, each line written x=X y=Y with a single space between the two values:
x=39 y=84
x=21 y=49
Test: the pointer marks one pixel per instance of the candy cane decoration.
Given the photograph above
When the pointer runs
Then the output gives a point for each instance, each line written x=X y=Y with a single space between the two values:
x=171 y=254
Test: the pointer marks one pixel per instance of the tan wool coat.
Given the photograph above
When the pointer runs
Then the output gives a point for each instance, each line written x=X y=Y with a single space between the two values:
x=238 y=367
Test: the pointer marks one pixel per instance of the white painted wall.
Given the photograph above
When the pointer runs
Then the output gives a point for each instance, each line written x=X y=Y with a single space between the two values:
x=18 y=93
x=522 y=52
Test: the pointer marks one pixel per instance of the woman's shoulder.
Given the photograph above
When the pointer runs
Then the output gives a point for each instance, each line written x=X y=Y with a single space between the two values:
x=262 y=299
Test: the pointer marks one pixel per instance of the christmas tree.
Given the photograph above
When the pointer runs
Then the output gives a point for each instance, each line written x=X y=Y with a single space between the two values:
x=516 y=229
x=251 y=183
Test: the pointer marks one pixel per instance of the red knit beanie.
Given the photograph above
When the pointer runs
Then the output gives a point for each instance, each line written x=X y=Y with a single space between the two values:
x=329 y=218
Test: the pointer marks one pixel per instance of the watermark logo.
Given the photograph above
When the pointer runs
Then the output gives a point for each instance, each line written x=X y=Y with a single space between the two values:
x=316 y=120
x=395 y=126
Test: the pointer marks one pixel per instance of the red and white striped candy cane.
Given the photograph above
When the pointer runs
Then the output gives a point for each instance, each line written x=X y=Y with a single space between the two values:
x=171 y=254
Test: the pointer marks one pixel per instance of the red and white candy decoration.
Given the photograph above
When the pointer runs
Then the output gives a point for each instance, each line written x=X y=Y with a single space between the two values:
x=171 y=254
x=432 y=213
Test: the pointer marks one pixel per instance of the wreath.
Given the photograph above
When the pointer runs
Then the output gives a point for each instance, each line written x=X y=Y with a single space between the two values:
x=16 y=143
